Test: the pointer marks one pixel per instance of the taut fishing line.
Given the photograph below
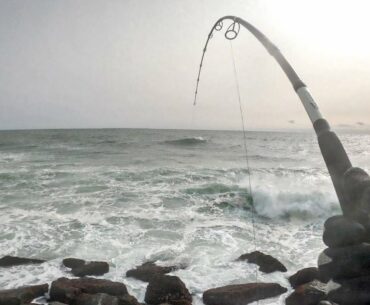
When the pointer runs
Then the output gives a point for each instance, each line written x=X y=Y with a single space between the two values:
x=230 y=34
x=242 y=116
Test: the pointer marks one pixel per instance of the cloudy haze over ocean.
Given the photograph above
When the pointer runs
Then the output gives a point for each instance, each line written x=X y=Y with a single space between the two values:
x=82 y=64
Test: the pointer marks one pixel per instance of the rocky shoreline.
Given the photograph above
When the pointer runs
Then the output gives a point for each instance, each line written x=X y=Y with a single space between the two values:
x=342 y=278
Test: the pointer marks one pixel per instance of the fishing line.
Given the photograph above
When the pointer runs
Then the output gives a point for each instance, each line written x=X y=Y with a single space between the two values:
x=230 y=34
x=236 y=78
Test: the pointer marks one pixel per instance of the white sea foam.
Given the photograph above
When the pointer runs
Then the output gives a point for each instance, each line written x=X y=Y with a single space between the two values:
x=151 y=201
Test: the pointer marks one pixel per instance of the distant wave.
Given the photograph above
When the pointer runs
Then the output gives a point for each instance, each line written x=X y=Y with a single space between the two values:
x=107 y=142
x=187 y=141
x=273 y=158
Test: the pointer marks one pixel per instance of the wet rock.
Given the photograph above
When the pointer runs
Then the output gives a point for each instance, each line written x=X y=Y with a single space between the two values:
x=242 y=294
x=102 y=299
x=266 y=263
x=96 y=299
x=167 y=289
x=57 y=303
x=307 y=294
x=341 y=232
x=22 y=295
x=73 y=262
x=91 y=268
x=354 y=291
x=148 y=270
x=344 y=263
x=9 y=261
x=65 y=290
x=128 y=300
x=326 y=303
x=9 y=301
x=304 y=276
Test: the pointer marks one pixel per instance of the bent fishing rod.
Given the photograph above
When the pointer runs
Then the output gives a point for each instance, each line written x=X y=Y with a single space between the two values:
x=352 y=184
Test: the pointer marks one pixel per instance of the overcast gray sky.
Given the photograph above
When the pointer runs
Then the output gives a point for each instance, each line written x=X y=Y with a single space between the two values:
x=84 y=64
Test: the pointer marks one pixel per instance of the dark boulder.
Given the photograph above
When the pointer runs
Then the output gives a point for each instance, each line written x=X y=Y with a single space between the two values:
x=96 y=299
x=91 y=268
x=304 y=276
x=242 y=294
x=353 y=291
x=167 y=289
x=341 y=232
x=73 y=262
x=128 y=300
x=266 y=263
x=344 y=263
x=9 y=301
x=101 y=299
x=65 y=290
x=148 y=270
x=326 y=303
x=307 y=294
x=9 y=261
x=22 y=295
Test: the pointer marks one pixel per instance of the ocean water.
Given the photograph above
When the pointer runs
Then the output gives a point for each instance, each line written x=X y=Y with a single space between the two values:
x=127 y=196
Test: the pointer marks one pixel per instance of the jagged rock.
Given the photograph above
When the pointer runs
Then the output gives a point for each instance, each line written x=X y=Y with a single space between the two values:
x=148 y=270
x=242 y=294
x=65 y=290
x=266 y=263
x=304 y=276
x=9 y=261
x=91 y=268
x=307 y=294
x=341 y=232
x=73 y=262
x=22 y=295
x=344 y=263
x=353 y=291
x=165 y=288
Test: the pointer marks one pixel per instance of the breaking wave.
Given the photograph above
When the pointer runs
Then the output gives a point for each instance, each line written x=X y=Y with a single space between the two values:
x=294 y=204
x=270 y=202
x=187 y=141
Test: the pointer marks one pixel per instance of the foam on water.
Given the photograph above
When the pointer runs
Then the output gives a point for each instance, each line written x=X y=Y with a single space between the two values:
x=127 y=204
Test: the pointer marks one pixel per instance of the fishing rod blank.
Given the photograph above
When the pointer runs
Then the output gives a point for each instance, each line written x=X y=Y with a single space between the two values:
x=352 y=185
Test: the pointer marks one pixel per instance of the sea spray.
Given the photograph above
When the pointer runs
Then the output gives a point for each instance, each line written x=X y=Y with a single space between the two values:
x=71 y=195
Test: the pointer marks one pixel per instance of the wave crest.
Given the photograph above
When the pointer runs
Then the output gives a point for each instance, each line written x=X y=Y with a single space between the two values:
x=271 y=202
x=187 y=141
